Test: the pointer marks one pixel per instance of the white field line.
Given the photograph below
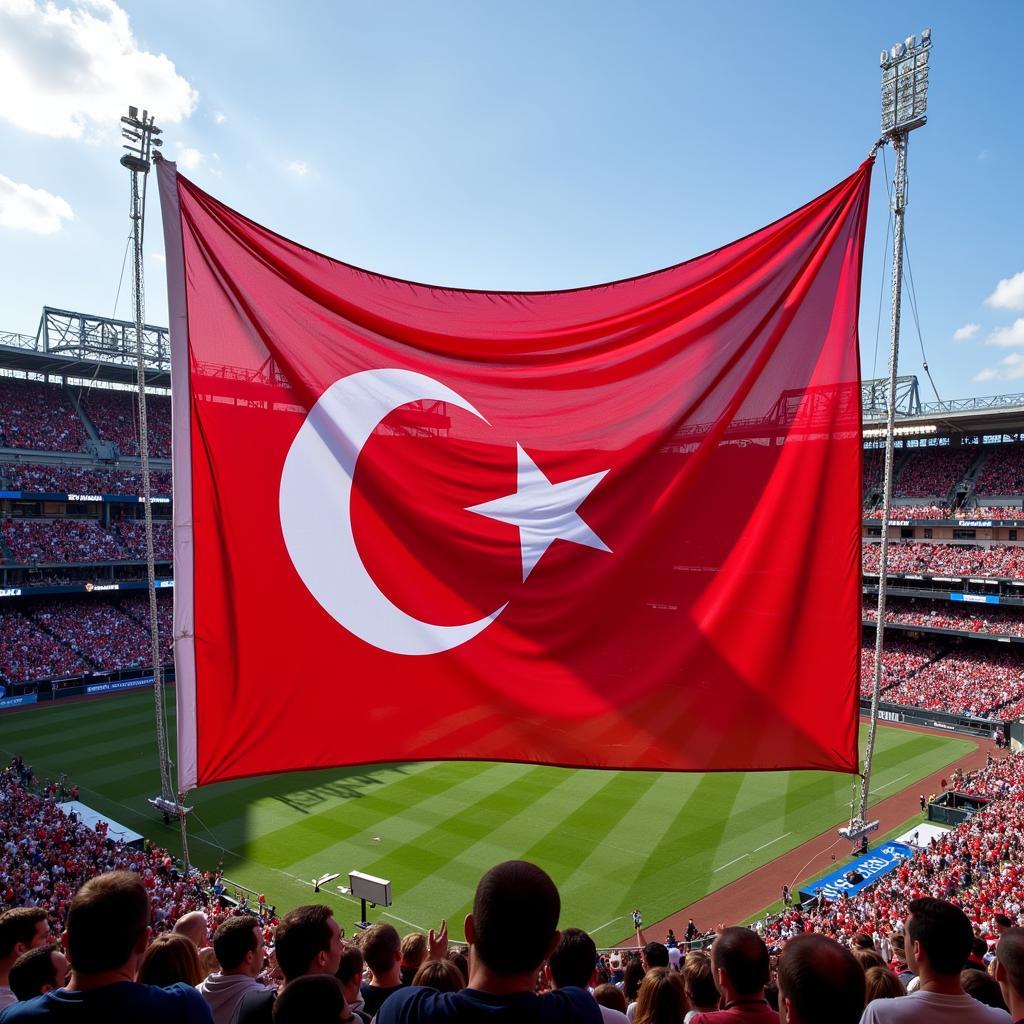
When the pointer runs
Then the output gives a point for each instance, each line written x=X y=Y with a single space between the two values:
x=891 y=781
x=730 y=864
x=771 y=841
x=594 y=931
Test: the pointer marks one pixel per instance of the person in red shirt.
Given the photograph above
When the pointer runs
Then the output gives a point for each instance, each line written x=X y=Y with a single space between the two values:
x=739 y=964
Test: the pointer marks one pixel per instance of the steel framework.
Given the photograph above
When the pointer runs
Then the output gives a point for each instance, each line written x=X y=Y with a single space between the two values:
x=84 y=336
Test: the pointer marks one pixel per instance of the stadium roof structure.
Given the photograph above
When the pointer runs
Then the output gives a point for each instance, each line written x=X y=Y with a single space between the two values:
x=84 y=346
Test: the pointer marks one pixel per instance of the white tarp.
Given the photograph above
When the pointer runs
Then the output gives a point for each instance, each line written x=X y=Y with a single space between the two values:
x=88 y=817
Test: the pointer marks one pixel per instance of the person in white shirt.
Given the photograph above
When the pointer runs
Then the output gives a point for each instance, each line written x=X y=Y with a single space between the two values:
x=938 y=943
x=239 y=946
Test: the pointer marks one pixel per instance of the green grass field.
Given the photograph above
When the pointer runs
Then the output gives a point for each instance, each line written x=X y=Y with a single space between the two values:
x=611 y=840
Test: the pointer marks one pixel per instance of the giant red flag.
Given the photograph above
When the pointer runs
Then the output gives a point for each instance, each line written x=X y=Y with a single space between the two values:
x=611 y=527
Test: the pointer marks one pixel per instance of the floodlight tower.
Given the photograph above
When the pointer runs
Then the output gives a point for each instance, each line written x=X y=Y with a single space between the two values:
x=142 y=143
x=904 y=102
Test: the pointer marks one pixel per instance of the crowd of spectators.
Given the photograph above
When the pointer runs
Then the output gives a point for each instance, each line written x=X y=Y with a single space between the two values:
x=901 y=659
x=969 y=681
x=932 y=512
x=43 y=541
x=1002 y=472
x=979 y=866
x=30 y=653
x=932 y=472
x=1002 y=561
x=38 y=416
x=18 y=476
x=114 y=414
x=132 y=535
x=872 y=468
x=970 y=618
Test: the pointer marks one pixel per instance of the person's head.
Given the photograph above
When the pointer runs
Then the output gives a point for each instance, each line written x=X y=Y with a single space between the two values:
x=634 y=974
x=238 y=943
x=573 y=960
x=382 y=949
x=457 y=955
x=982 y=986
x=313 y=999
x=881 y=983
x=1009 y=969
x=611 y=996
x=414 y=951
x=350 y=971
x=655 y=954
x=514 y=923
x=170 y=958
x=739 y=960
x=699 y=980
x=820 y=982
x=195 y=928
x=308 y=941
x=22 y=929
x=208 y=962
x=441 y=975
x=1001 y=922
x=867 y=958
x=37 y=971
x=862 y=941
x=661 y=999
x=939 y=937
x=107 y=926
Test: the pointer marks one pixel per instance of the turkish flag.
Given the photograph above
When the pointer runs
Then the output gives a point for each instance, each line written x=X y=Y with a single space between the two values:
x=611 y=527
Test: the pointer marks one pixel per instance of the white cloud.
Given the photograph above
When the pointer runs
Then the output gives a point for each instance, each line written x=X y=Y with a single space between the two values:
x=219 y=117
x=297 y=167
x=1011 y=367
x=1009 y=293
x=987 y=374
x=158 y=256
x=68 y=72
x=1008 y=337
x=188 y=158
x=24 y=208
x=966 y=332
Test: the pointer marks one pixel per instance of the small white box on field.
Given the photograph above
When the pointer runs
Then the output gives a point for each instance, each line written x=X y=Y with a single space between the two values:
x=370 y=888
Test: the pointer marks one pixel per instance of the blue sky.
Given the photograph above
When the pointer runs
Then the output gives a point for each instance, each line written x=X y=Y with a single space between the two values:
x=530 y=145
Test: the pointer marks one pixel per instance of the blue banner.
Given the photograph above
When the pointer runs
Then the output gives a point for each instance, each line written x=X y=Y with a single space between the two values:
x=120 y=684
x=878 y=861
x=64 y=496
x=975 y=598
x=15 y=702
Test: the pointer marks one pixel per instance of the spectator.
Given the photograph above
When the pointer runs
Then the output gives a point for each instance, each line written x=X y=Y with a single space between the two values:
x=313 y=999
x=414 y=953
x=820 y=982
x=610 y=997
x=39 y=970
x=21 y=929
x=573 y=963
x=106 y=935
x=441 y=975
x=511 y=931
x=350 y=974
x=168 y=959
x=938 y=942
x=699 y=984
x=382 y=950
x=982 y=986
x=238 y=943
x=739 y=963
x=307 y=941
x=882 y=984
x=457 y=955
x=653 y=955
x=661 y=999
x=195 y=928
x=1009 y=971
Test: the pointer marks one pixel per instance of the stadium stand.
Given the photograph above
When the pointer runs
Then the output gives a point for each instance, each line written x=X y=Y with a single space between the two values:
x=38 y=416
x=115 y=417
x=43 y=541
x=131 y=533
x=80 y=480
x=999 y=560
x=932 y=472
x=1002 y=472
x=933 y=615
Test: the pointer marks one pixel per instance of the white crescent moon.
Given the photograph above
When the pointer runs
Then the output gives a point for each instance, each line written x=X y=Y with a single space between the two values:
x=314 y=503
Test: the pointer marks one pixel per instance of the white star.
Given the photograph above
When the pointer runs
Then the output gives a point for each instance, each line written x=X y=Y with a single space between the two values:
x=543 y=511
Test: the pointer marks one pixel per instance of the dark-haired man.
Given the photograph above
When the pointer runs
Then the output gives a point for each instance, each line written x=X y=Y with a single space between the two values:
x=574 y=962
x=512 y=930
x=307 y=941
x=106 y=934
x=21 y=929
x=938 y=943
x=238 y=944
x=739 y=965
x=820 y=982
x=1009 y=971
x=38 y=971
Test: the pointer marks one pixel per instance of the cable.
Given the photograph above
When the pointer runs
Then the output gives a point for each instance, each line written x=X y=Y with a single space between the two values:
x=120 y=280
x=912 y=296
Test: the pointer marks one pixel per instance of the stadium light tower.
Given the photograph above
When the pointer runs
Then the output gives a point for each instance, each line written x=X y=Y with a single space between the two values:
x=140 y=133
x=904 y=104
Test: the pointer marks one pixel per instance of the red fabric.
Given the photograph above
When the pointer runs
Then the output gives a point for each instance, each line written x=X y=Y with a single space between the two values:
x=721 y=399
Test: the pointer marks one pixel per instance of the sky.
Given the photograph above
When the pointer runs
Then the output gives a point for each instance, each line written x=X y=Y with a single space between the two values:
x=519 y=146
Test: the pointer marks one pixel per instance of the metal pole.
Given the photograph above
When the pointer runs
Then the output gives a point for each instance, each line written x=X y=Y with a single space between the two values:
x=900 y=141
x=184 y=832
